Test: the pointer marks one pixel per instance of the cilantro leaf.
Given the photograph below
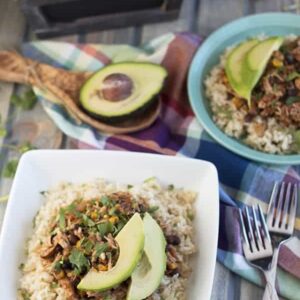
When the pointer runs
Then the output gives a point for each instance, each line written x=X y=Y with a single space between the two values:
x=10 y=168
x=152 y=209
x=105 y=228
x=87 y=221
x=26 y=146
x=100 y=248
x=291 y=100
x=79 y=261
x=105 y=201
x=62 y=219
x=292 y=76
x=87 y=245
x=26 y=101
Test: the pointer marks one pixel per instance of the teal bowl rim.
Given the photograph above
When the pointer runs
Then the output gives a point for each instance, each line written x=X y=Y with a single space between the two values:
x=197 y=102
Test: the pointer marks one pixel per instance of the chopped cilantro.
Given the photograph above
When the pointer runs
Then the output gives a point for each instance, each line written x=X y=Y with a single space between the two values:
x=292 y=76
x=26 y=101
x=291 y=100
x=57 y=265
x=105 y=228
x=149 y=179
x=119 y=227
x=87 y=221
x=62 y=219
x=100 y=248
x=105 y=201
x=152 y=209
x=54 y=285
x=21 y=267
x=87 y=245
x=10 y=168
x=171 y=187
x=79 y=261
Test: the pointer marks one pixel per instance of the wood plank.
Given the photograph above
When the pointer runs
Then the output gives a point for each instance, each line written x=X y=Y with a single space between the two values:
x=261 y=6
x=213 y=14
x=11 y=33
x=181 y=24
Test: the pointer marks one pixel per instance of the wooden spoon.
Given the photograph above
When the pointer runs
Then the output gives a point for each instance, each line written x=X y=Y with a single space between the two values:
x=65 y=86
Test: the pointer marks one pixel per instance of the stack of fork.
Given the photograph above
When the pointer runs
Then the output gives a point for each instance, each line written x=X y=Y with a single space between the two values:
x=262 y=239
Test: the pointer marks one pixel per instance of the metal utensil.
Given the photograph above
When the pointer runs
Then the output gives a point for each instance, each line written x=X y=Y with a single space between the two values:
x=257 y=246
x=281 y=219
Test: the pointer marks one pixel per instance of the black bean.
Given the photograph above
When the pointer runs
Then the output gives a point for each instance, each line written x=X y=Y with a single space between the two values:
x=289 y=58
x=66 y=265
x=248 y=118
x=291 y=92
x=173 y=239
x=172 y=272
x=73 y=239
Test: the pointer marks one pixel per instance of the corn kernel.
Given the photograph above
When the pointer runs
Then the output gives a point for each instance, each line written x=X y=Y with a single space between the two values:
x=102 y=268
x=117 y=206
x=106 y=217
x=113 y=219
x=277 y=63
x=94 y=215
x=172 y=266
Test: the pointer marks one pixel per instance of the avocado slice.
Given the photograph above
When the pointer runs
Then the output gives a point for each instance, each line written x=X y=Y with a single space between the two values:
x=131 y=244
x=234 y=68
x=119 y=91
x=149 y=272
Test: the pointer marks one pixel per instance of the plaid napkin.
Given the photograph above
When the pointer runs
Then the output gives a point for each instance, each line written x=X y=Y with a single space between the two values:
x=177 y=132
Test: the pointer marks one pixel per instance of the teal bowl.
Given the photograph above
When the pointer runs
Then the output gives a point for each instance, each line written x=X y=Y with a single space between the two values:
x=208 y=55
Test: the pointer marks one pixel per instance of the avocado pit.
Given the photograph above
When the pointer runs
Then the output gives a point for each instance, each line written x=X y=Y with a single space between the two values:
x=117 y=87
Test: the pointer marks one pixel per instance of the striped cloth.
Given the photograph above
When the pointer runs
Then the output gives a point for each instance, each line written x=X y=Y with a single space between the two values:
x=177 y=132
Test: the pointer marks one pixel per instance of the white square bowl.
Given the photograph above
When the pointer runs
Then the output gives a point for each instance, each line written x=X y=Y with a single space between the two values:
x=40 y=169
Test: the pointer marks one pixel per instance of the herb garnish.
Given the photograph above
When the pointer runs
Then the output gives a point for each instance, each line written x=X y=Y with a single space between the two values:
x=26 y=101
x=100 y=248
x=79 y=261
x=291 y=100
x=105 y=228
x=292 y=76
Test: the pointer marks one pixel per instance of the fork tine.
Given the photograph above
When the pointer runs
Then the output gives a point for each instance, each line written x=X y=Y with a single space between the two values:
x=258 y=239
x=250 y=230
x=263 y=223
x=293 y=209
x=244 y=228
x=287 y=204
x=278 y=210
x=271 y=208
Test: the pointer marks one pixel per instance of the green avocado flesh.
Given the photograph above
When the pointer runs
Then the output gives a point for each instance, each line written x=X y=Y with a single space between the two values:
x=131 y=245
x=247 y=62
x=149 y=272
x=118 y=91
x=234 y=68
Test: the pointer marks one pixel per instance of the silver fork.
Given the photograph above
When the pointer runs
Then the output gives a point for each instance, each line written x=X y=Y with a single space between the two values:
x=257 y=246
x=281 y=217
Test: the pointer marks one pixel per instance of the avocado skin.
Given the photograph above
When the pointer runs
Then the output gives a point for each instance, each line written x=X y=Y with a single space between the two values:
x=118 y=119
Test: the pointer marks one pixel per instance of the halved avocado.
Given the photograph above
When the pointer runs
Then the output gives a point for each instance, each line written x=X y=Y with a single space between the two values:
x=123 y=90
x=131 y=244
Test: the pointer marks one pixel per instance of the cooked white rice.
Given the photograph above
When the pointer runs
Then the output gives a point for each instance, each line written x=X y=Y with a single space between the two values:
x=175 y=210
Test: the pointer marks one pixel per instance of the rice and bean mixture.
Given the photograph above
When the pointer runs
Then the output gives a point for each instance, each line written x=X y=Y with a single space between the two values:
x=74 y=231
x=272 y=123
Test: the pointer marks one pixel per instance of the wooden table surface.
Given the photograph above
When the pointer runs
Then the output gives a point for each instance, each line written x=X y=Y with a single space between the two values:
x=199 y=16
